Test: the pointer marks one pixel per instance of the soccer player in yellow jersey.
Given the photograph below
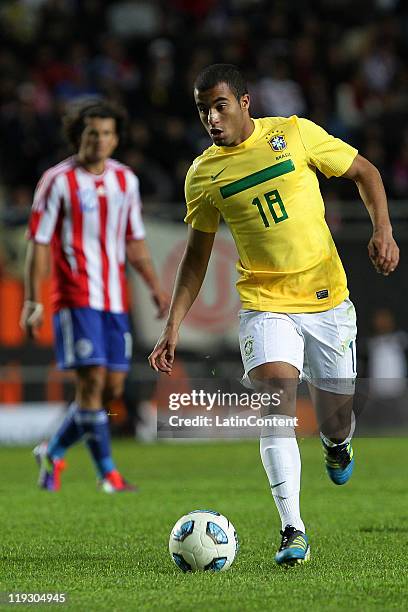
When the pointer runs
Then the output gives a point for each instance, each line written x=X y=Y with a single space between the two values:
x=296 y=319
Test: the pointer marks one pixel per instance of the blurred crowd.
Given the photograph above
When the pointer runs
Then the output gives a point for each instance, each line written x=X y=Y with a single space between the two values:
x=341 y=63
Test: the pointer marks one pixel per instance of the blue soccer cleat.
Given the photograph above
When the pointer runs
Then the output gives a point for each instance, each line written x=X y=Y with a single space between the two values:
x=294 y=548
x=339 y=462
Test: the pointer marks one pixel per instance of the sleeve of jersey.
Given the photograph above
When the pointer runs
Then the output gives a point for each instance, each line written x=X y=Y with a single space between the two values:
x=332 y=156
x=135 y=227
x=44 y=212
x=201 y=213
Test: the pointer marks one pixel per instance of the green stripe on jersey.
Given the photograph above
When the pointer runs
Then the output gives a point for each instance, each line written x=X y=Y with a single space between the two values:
x=257 y=178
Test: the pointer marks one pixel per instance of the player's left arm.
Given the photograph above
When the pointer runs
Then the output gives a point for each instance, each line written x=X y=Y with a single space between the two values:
x=382 y=248
x=138 y=255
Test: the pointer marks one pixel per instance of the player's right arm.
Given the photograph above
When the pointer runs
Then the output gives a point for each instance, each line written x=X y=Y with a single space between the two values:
x=36 y=269
x=41 y=228
x=203 y=219
x=189 y=279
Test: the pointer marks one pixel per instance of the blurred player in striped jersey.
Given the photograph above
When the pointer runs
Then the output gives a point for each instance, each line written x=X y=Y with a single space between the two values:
x=86 y=218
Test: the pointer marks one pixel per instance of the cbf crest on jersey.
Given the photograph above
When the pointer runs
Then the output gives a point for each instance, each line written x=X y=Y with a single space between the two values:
x=278 y=143
x=248 y=346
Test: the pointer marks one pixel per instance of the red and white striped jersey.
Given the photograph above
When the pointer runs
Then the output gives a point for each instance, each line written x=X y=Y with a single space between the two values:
x=87 y=219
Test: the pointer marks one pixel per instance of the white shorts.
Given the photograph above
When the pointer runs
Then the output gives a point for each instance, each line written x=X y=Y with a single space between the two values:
x=321 y=345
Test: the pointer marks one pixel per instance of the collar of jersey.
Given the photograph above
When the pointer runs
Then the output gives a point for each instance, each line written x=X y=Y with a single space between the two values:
x=85 y=171
x=246 y=143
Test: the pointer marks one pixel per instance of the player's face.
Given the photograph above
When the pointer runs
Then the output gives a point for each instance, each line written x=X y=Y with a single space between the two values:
x=225 y=118
x=98 y=139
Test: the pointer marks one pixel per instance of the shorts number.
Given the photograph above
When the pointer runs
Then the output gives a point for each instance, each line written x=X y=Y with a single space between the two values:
x=275 y=205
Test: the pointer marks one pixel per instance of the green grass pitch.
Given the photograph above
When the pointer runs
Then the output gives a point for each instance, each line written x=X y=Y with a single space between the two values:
x=110 y=552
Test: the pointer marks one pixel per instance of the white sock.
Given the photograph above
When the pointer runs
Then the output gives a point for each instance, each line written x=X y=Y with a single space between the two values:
x=281 y=460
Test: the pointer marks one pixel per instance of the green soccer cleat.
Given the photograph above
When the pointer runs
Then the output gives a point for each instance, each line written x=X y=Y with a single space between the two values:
x=339 y=462
x=294 y=548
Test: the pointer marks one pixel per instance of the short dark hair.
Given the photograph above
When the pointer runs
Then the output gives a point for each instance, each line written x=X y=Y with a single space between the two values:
x=77 y=112
x=222 y=73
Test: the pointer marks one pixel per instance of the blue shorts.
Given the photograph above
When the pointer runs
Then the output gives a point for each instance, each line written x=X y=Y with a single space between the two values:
x=85 y=337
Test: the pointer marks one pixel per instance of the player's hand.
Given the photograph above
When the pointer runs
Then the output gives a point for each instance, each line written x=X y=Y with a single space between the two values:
x=32 y=317
x=162 y=357
x=162 y=301
x=383 y=251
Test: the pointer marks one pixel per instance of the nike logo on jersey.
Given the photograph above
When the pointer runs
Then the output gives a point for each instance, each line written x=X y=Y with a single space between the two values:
x=214 y=176
x=277 y=484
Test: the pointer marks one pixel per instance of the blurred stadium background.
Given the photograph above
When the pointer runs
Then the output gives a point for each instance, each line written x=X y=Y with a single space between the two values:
x=341 y=63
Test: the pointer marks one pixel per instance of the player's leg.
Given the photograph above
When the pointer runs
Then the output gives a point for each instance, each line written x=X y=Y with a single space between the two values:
x=80 y=346
x=92 y=417
x=336 y=423
x=272 y=352
x=76 y=342
x=330 y=369
x=278 y=445
x=118 y=353
x=111 y=480
x=76 y=333
x=67 y=434
x=114 y=386
x=334 y=413
x=281 y=458
x=95 y=388
x=50 y=456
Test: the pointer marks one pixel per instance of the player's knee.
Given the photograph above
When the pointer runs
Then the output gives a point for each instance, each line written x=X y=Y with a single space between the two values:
x=113 y=391
x=91 y=385
x=282 y=394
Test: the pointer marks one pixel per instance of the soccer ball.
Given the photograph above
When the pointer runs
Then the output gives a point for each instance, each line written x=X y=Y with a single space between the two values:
x=203 y=540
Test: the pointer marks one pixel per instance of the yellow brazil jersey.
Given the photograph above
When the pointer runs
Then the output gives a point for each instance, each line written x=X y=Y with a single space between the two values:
x=267 y=191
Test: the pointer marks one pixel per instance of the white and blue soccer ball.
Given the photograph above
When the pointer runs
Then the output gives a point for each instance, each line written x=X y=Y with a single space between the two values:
x=203 y=540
